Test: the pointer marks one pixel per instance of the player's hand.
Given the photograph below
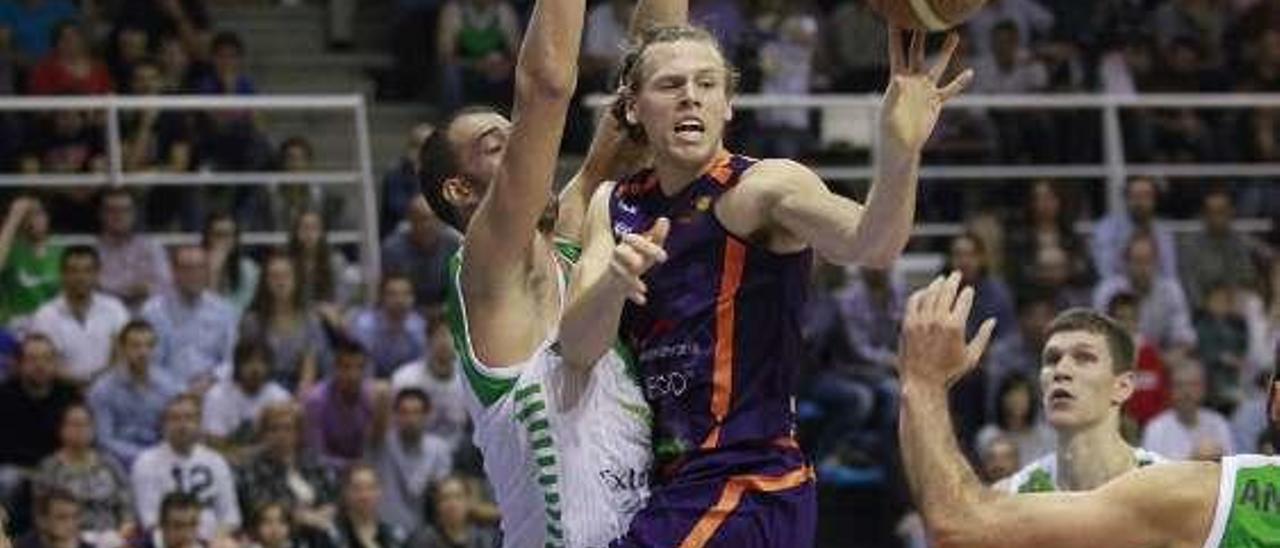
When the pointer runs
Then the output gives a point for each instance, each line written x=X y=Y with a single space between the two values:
x=635 y=255
x=915 y=95
x=933 y=349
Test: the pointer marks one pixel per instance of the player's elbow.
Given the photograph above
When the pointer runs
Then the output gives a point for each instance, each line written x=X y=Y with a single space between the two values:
x=546 y=81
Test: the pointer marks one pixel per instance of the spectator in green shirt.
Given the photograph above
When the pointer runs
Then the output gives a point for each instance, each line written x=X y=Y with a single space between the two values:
x=28 y=261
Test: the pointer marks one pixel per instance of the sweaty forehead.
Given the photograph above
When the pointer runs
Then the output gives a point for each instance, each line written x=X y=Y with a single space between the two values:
x=681 y=57
x=1065 y=341
x=470 y=127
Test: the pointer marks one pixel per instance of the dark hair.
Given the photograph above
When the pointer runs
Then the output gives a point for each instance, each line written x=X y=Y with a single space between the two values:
x=1006 y=25
x=186 y=397
x=392 y=277
x=246 y=349
x=176 y=501
x=55 y=35
x=412 y=394
x=53 y=494
x=230 y=268
x=79 y=251
x=258 y=513
x=1139 y=237
x=322 y=283
x=349 y=473
x=227 y=39
x=134 y=325
x=34 y=337
x=1119 y=342
x=262 y=304
x=439 y=162
x=979 y=247
x=299 y=142
x=1008 y=384
x=630 y=76
x=147 y=61
x=115 y=192
x=345 y=345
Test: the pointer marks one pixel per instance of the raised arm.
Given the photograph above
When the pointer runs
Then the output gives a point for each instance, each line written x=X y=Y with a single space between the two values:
x=611 y=151
x=842 y=230
x=1157 y=506
x=605 y=277
x=18 y=213
x=502 y=230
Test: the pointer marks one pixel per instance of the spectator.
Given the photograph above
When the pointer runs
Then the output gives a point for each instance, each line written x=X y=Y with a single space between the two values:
x=284 y=470
x=186 y=22
x=477 y=43
x=392 y=331
x=850 y=58
x=999 y=458
x=345 y=412
x=31 y=23
x=1051 y=276
x=1162 y=308
x=180 y=463
x=232 y=138
x=1017 y=419
x=1048 y=225
x=28 y=261
x=67 y=141
x=1218 y=254
x=452 y=527
x=179 y=526
x=177 y=70
x=290 y=326
x=786 y=61
x=196 y=328
x=127 y=47
x=58 y=522
x=1189 y=427
x=1019 y=353
x=31 y=402
x=96 y=481
x=233 y=274
x=1203 y=22
x=400 y=183
x=1250 y=418
x=437 y=375
x=359 y=523
x=1113 y=233
x=156 y=140
x=1150 y=377
x=271 y=526
x=70 y=69
x=726 y=20
x=1223 y=344
x=232 y=406
x=342 y=17
x=1009 y=68
x=322 y=269
x=604 y=42
x=81 y=322
x=992 y=298
x=1029 y=17
x=134 y=267
x=409 y=461
x=129 y=401
x=421 y=252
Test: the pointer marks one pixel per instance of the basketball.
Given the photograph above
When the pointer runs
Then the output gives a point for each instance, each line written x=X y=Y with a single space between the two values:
x=930 y=15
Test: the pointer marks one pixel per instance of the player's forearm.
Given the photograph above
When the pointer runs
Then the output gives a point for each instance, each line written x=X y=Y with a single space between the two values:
x=946 y=490
x=590 y=323
x=547 y=66
x=890 y=209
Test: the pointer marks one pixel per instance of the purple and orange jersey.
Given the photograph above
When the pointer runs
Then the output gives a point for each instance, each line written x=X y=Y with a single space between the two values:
x=718 y=347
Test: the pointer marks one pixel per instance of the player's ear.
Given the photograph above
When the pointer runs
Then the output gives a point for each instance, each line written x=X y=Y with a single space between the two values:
x=1123 y=388
x=456 y=190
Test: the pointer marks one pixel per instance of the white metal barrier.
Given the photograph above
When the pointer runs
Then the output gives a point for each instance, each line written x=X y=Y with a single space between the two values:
x=1114 y=168
x=361 y=174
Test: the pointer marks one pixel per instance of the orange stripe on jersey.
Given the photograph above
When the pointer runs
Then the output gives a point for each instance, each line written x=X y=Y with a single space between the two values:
x=735 y=259
x=722 y=171
x=731 y=497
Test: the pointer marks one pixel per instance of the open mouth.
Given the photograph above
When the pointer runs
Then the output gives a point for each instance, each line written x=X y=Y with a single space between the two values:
x=690 y=129
x=1060 y=395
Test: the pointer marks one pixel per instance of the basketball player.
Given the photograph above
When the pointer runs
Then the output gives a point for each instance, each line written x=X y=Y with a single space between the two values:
x=1182 y=504
x=1086 y=376
x=716 y=329
x=566 y=451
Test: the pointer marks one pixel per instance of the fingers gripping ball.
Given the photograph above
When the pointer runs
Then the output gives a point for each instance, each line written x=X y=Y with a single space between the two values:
x=931 y=15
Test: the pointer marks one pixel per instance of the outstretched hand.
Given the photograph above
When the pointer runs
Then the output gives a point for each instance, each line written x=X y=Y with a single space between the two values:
x=933 y=350
x=915 y=96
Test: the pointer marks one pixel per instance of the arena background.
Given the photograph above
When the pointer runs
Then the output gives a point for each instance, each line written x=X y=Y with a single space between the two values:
x=1091 y=124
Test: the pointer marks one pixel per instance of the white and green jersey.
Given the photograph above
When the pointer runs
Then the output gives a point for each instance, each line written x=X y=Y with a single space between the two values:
x=567 y=454
x=1248 y=510
x=1041 y=476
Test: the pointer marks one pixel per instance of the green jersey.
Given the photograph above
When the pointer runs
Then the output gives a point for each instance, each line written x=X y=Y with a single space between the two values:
x=28 y=279
x=1248 y=511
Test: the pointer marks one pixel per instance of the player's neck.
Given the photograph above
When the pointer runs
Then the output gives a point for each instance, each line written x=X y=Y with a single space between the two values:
x=674 y=176
x=1091 y=457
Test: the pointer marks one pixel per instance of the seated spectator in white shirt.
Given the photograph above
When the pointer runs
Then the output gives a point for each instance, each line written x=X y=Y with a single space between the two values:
x=392 y=332
x=81 y=322
x=232 y=406
x=197 y=328
x=181 y=463
x=1163 y=315
x=438 y=375
x=409 y=460
x=134 y=267
x=129 y=401
x=1189 y=430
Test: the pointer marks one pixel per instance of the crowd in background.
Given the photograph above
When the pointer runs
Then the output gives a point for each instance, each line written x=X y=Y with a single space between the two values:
x=220 y=391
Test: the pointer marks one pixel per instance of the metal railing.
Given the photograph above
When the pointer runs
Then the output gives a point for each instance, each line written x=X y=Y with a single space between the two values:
x=360 y=174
